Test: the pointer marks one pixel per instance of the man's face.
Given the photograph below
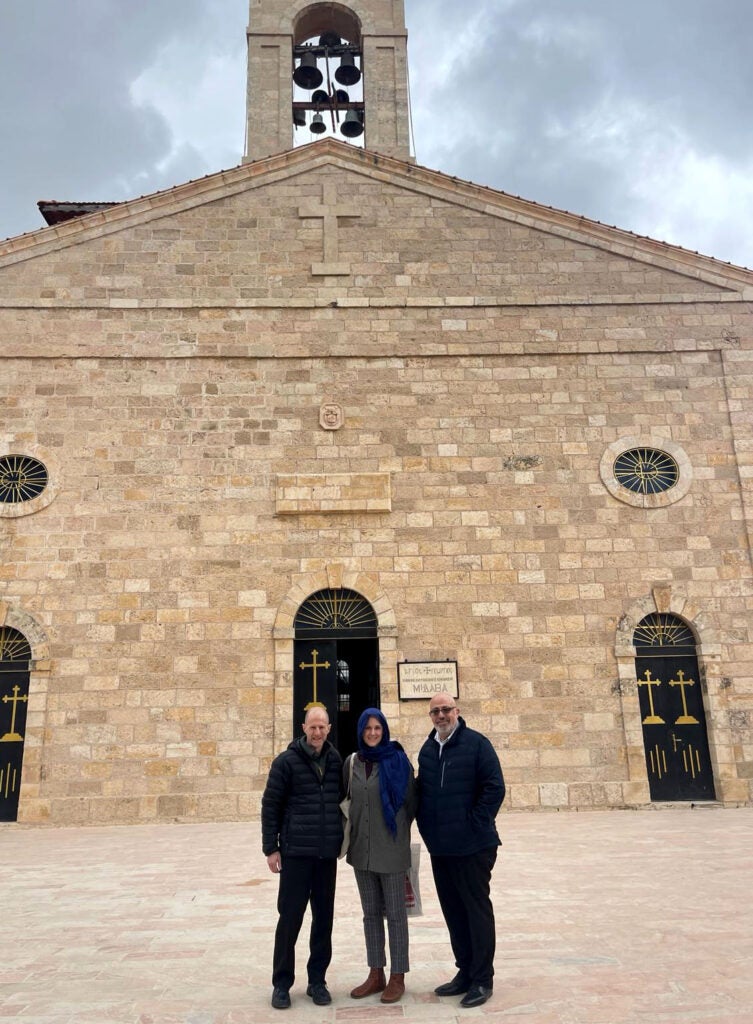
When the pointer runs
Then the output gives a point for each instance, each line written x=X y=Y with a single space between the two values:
x=316 y=728
x=444 y=714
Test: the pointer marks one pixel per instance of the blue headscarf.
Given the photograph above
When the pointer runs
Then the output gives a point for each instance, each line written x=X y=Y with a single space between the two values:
x=394 y=767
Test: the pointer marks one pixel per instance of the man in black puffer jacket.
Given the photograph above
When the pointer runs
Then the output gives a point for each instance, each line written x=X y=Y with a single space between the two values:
x=461 y=788
x=301 y=827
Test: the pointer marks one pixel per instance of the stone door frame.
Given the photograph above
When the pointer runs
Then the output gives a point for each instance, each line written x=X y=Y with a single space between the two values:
x=31 y=806
x=334 y=576
x=664 y=599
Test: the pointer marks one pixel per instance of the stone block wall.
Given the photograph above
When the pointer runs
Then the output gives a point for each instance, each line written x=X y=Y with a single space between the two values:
x=169 y=363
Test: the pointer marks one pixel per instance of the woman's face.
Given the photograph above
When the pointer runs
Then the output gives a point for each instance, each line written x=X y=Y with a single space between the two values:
x=372 y=734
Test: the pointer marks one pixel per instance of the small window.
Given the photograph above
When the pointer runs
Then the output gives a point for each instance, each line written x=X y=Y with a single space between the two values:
x=13 y=645
x=22 y=478
x=660 y=629
x=335 y=612
x=29 y=479
x=646 y=470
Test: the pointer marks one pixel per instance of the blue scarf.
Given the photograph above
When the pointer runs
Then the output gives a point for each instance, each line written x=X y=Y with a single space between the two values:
x=394 y=767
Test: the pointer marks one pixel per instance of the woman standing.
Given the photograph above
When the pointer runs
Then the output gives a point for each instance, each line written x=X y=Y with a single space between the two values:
x=382 y=790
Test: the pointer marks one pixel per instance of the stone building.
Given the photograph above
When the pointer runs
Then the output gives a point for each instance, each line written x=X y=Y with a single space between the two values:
x=333 y=426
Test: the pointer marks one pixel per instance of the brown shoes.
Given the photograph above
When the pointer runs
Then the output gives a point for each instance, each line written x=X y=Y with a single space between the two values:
x=376 y=982
x=395 y=989
x=392 y=992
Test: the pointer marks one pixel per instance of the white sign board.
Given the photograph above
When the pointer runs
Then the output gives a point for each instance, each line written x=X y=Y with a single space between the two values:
x=422 y=679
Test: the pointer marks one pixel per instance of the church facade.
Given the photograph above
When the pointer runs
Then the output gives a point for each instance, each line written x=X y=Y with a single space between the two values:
x=331 y=426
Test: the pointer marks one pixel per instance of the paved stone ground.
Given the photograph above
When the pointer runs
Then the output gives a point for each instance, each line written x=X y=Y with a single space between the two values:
x=607 y=917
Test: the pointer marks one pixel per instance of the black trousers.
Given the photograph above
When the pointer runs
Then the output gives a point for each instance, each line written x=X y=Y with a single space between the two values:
x=304 y=880
x=463 y=891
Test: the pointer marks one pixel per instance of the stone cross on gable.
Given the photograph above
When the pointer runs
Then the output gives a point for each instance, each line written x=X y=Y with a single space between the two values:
x=329 y=211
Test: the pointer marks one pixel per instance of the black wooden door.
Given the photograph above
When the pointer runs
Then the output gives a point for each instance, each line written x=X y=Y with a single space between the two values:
x=336 y=646
x=347 y=681
x=14 y=696
x=674 y=728
x=314 y=679
x=357 y=687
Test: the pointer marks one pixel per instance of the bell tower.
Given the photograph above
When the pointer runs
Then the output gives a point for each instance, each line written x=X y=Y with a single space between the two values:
x=327 y=68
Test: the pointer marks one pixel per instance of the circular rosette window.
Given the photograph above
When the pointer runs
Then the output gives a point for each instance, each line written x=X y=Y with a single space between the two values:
x=26 y=483
x=646 y=470
x=646 y=473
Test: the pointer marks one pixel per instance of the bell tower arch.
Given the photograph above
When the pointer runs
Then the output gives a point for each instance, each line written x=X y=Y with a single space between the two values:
x=351 y=75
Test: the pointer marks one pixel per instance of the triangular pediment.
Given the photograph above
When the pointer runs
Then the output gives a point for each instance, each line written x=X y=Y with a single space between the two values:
x=371 y=228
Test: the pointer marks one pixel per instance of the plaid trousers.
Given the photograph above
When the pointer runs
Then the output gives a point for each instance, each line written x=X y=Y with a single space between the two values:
x=384 y=896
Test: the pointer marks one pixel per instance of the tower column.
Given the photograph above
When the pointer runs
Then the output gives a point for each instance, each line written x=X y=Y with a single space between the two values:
x=269 y=95
x=374 y=28
x=385 y=60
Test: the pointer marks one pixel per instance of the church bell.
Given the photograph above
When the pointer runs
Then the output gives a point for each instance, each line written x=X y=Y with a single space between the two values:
x=352 y=125
x=348 y=73
x=317 y=125
x=307 y=75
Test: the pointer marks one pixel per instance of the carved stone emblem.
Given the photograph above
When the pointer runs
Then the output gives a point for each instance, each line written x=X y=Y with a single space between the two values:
x=331 y=416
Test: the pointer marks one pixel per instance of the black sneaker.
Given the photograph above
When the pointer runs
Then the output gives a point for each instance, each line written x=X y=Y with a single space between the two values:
x=319 y=993
x=280 y=999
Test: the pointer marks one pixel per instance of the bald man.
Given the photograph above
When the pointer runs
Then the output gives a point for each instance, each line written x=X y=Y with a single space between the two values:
x=461 y=789
x=302 y=832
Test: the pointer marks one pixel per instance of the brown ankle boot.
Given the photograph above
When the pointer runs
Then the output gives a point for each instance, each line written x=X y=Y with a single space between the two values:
x=395 y=988
x=374 y=983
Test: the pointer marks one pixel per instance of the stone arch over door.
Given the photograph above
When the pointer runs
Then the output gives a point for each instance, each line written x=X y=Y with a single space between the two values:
x=662 y=598
x=31 y=805
x=333 y=576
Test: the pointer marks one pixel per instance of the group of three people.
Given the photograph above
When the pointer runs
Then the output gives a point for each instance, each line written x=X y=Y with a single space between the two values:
x=455 y=801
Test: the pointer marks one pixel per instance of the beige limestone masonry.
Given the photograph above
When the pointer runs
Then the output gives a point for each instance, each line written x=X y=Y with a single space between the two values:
x=172 y=357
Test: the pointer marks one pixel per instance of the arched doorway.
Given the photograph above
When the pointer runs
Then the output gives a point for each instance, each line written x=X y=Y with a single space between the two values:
x=672 y=712
x=15 y=658
x=336 y=661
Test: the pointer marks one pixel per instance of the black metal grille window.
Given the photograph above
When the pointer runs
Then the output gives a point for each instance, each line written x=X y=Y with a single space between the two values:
x=660 y=629
x=342 y=613
x=646 y=470
x=21 y=479
x=13 y=645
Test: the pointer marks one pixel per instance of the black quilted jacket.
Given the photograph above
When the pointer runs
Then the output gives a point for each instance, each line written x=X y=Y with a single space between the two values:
x=459 y=794
x=300 y=812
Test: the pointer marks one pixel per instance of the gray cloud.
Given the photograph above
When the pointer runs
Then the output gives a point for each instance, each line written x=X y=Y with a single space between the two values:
x=69 y=124
x=578 y=104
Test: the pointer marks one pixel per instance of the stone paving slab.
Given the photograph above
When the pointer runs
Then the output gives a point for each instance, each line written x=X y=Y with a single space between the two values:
x=605 y=917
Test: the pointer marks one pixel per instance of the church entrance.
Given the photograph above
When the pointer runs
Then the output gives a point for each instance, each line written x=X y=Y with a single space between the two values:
x=336 y=661
x=15 y=655
x=672 y=712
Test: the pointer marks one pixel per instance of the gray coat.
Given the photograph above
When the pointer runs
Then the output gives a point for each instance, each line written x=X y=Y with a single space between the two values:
x=372 y=846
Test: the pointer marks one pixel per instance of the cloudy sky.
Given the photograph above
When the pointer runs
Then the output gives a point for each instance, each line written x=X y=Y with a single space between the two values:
x=637 y=114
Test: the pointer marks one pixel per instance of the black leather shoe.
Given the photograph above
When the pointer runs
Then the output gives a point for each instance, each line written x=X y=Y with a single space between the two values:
x=476 y=996
x=319 y=993
x=456 y=987
x=281 y=999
